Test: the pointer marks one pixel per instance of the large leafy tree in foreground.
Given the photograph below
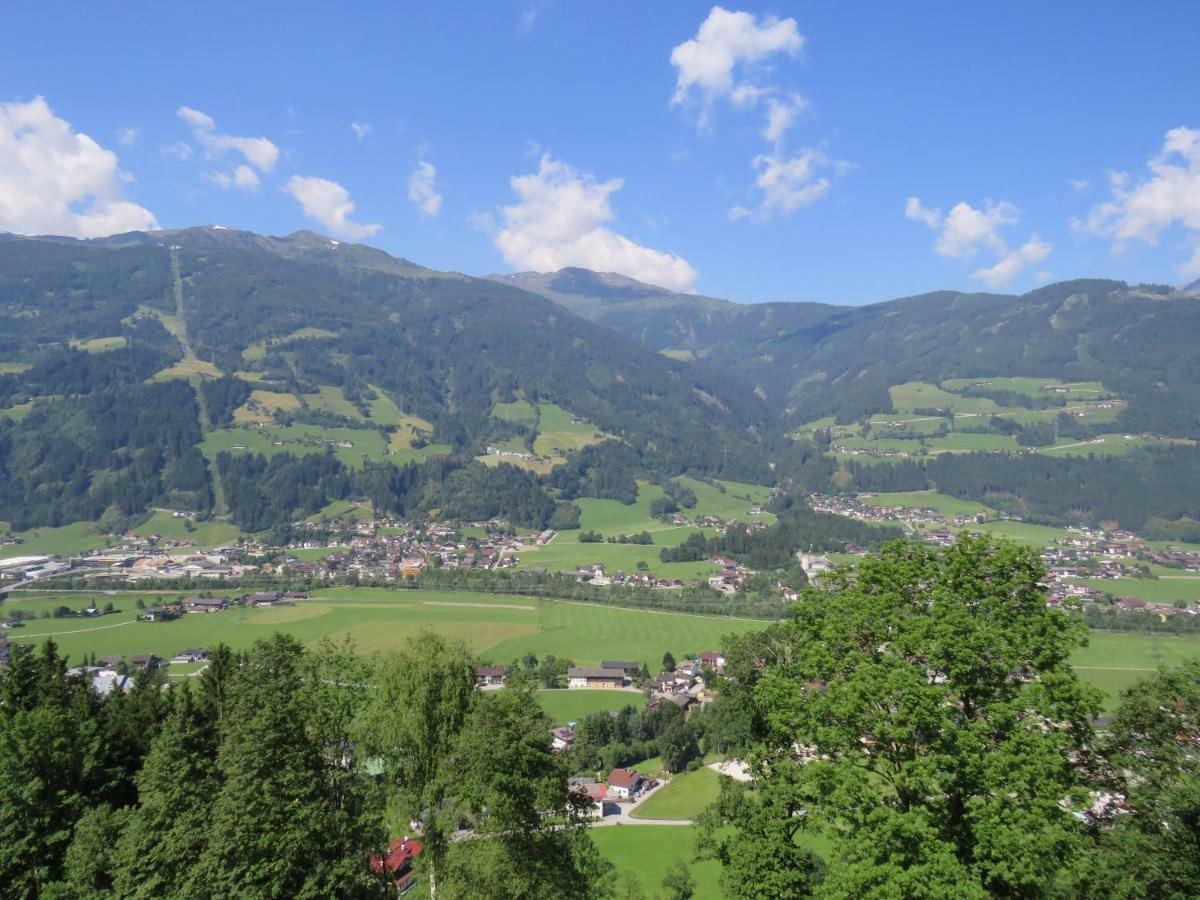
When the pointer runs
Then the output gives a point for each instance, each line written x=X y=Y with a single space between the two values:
x=1149 y=847
x=920 y=714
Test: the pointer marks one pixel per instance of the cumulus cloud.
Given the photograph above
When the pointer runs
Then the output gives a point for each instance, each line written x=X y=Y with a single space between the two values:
x=361 y=129
x=422 y=189
x=257 y=151
x=1030 y=253
x=243 y=178
x=781 y=114
x=1169 y=195
x=560 y=220
x=54 y=180
x=719 y=61
x=789 y=183
x=965 y=231
x=328 y=203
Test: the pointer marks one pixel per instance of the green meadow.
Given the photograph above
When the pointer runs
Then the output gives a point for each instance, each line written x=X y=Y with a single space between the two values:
x=563 y=706
x=1155 y=590
x=66 y=540
x=612 y=518
x=1113 y=661
x=499 y=628
x=204 y=534
x=684 y=798
x=943 y=504
x=647 y=851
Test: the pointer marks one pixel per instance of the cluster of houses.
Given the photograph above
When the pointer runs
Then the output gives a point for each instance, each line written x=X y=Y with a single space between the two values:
x=867 y=508
x=521 y=455
x=722 y=525
x=597 y=574
x=176 y=608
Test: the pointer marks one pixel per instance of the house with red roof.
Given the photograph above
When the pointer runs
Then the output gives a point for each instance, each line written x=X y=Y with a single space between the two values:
x=624 y=782
x=399 y=863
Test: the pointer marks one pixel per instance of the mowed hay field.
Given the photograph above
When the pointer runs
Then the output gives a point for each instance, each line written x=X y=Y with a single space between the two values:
x=685 y=797
x=1114 y=661
x=500 y=628
x=612 y=518
x=648 y=851
x=563 y=706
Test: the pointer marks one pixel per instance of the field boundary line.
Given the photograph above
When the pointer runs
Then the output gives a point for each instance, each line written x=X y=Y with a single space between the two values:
x=76 y=631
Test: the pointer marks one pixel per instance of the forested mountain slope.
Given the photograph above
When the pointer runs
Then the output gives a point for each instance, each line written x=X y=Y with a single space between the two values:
x=823 y=360
x=89 y=328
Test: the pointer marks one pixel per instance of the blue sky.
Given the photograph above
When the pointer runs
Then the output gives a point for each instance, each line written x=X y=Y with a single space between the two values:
x=774 y=156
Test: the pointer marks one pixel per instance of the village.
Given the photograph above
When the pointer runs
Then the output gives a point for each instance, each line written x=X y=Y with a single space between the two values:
x=1081 y=555
x=376 y=549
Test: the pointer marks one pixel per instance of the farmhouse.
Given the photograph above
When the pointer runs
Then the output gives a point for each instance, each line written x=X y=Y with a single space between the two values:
x=490 y=676
x=624 y=782
x=562 y=738
x=581 y=677
x=205 y=604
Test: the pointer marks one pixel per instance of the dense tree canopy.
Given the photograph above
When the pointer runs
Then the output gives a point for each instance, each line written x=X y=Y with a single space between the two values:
x=920 y=714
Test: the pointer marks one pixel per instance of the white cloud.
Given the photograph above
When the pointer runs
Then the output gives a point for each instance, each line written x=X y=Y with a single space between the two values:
x=560 y=220
x=57 y=181
x=1169 y=196
x=330 y=204
x=781 y=114
x=716 y=62
x=127 y=136
x=243 y=177
x=965 y=231
x=422 y=189
x=361 y=129
x=789 y=183
x=918 y=213
x=966 y=228
x=1030 y=253
x=1078 y=184
x=257 y=151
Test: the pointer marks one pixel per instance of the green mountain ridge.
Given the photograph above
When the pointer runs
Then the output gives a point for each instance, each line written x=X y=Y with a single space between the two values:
x=815 y=359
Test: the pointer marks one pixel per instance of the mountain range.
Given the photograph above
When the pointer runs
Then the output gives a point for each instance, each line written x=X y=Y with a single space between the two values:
x=125 y=360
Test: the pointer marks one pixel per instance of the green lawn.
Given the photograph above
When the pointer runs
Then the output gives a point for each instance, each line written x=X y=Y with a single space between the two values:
x=1022 y=532
x=684 y=798
x=332 y=400
x=573 y=706
x=521 y=411
x=205 y=534
x=74 y=538
x=943 y=504
x=557 y=434
x=969 y=442
x=649 y=850
x=100 y=345
x=305 y=438
x=1113 y=661
x=612 y=518
x=1156 y=590
x=500 y=628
